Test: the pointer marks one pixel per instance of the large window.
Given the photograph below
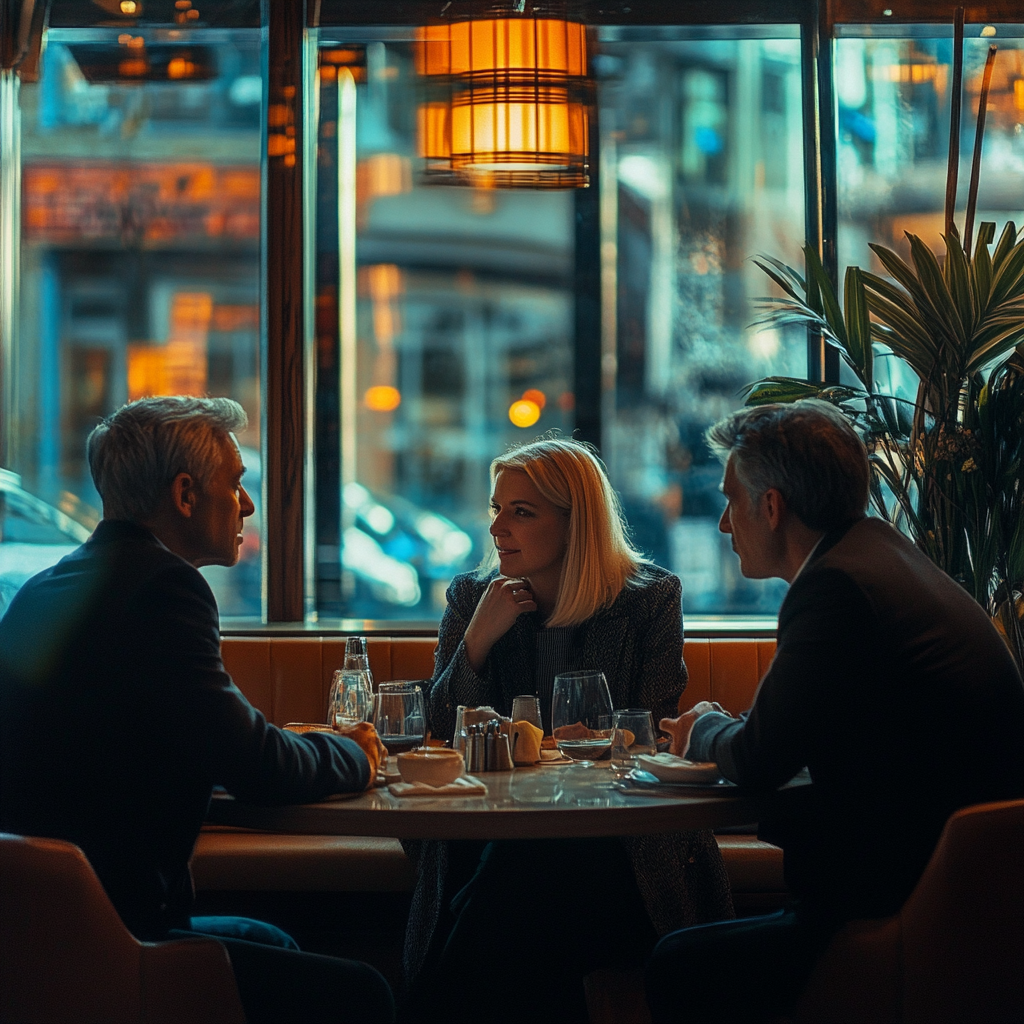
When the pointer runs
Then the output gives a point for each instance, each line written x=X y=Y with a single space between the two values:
x=401 y=327
x=139 y=265
x=467 y=332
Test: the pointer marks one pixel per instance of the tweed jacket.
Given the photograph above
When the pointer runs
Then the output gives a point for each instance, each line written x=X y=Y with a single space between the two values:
x=638 y=644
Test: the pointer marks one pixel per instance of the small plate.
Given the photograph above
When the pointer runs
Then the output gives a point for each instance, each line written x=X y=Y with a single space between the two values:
x=669 y=768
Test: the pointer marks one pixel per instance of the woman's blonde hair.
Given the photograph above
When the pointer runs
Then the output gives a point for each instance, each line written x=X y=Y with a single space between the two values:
x=599 y=560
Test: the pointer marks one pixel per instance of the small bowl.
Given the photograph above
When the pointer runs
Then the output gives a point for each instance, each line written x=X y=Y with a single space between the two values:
x=436 y=766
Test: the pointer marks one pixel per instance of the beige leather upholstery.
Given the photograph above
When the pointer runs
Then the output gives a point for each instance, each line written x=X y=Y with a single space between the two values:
x=954 y=953
x=65 y=956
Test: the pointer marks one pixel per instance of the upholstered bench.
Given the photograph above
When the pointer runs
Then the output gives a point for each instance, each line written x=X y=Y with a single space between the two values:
x=288 y=679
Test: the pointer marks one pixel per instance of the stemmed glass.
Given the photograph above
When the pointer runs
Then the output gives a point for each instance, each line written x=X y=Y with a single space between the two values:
x=581 y=715
x=351 y=697
x=401 y=716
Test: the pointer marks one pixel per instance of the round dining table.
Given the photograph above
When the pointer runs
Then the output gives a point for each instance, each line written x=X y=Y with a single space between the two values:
x=541 y=802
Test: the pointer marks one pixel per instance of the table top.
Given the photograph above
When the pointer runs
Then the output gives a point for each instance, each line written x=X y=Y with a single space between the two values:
x=528 y=803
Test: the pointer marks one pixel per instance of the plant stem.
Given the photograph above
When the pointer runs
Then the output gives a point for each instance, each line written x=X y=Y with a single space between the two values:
x=972 y=194
x=957 y=87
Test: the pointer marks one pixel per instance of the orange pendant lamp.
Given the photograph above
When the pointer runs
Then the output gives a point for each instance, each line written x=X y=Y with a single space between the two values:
x=507 y=102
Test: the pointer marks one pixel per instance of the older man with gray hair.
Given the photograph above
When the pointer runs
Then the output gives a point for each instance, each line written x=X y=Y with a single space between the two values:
x=117 y=717
x=889 y=685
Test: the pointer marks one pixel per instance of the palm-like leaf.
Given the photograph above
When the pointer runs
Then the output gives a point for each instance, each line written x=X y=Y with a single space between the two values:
x=949 y=468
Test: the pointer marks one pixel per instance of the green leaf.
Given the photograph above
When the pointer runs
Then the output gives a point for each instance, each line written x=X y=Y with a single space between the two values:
x=956 y=274
x=981 y=278
x=827 y=294
x=1007 y=240
x=779 y=279
x=939 y=298
x=858 y=328
x=780 y=389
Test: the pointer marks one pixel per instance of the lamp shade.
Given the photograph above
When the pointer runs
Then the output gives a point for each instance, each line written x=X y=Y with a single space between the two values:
x=520 y=136
x=506 y=102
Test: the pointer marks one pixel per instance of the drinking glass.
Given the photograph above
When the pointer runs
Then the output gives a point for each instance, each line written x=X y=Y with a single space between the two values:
x=356 y=657
x=632 y=734
x=351 y=699
x=401 y=716
x=526 y=708
x=581 y=715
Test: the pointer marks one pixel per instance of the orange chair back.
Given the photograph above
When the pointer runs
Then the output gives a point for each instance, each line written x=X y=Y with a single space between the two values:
x=65 y=955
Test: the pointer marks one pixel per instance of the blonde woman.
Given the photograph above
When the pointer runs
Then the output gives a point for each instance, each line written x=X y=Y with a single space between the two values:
x=568 y=592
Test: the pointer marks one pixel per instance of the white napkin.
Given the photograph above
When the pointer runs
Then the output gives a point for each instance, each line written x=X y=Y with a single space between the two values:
x=464 y=785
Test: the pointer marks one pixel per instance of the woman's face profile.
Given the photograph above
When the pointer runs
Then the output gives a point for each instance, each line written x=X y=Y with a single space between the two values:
x=529 y=532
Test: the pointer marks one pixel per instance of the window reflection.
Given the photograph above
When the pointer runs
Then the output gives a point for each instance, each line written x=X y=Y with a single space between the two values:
x=702 y=163
x=140 y=229
x=465 y=302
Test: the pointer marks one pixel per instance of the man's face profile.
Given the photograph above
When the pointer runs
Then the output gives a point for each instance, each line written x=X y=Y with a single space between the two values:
x=219 y=510
x=747 y=522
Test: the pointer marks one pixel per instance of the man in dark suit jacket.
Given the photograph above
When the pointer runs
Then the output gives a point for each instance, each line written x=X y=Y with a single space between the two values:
x=117 y=717
x=889 y=684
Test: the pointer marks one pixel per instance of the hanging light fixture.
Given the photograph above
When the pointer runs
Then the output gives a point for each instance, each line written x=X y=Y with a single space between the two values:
x=506 y=101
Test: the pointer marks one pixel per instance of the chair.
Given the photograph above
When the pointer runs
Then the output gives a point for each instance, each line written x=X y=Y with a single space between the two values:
x=66 y=957
x=954 y=953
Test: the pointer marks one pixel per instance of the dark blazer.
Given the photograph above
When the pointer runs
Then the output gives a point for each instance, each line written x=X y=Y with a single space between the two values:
x=637 y=643
x=117 y=719
x=892 y=687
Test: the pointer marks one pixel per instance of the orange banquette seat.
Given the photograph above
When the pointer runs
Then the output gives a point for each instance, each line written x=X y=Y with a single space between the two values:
x=288 y=679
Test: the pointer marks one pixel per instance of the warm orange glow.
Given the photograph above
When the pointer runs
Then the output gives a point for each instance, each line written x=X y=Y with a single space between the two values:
x=280 y=145
x=178 y=67
x=511 y=130
x=536 y=396
x=524 y=413
x=544 y=46
x=1018 y=93
x=382 y=398
x=433 y=131
x=382 y=281
x=129 y=7
x=385 y=174
x=134 y=68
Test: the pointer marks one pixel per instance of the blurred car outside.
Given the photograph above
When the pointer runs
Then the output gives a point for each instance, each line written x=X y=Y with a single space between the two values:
x=398 y=556
x=34 y=534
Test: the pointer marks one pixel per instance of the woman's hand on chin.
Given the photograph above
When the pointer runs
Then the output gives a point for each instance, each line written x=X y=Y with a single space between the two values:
x=504 y=600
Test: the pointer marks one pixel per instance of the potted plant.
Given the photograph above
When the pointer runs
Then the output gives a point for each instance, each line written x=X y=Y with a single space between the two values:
x=946 y=468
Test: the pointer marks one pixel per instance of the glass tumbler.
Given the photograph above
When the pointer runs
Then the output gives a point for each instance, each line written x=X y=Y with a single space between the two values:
x=401 y=716
x=632 y=734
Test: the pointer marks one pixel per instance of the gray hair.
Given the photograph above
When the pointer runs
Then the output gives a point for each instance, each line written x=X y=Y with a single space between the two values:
x=807 y=451
x=136 y=452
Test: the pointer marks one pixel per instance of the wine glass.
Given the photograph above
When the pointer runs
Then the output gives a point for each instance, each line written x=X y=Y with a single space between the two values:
x=351 y=699
x=401 y=716
x=632 y=734
x=581 y=715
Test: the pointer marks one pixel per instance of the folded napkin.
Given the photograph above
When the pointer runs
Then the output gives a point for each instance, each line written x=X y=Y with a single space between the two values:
x=464 y=785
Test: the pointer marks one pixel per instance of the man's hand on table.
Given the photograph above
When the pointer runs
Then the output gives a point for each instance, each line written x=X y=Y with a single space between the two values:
x=369 y=743
x=680 y=728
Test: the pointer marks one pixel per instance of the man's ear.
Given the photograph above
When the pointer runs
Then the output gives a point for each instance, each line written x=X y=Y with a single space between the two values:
x=773 y=504
x=183 y=494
